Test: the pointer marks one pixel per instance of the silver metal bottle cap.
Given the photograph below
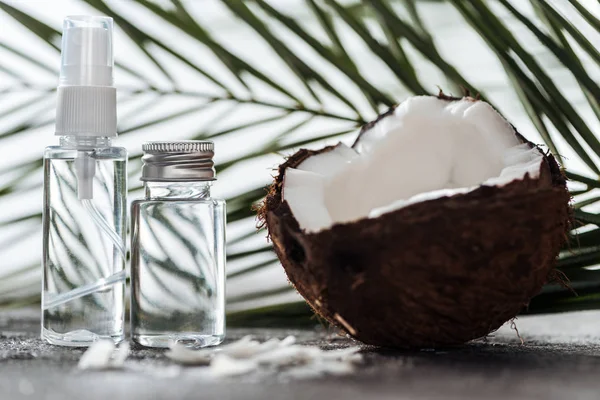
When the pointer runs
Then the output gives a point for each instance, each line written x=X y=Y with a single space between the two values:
x=178 y=161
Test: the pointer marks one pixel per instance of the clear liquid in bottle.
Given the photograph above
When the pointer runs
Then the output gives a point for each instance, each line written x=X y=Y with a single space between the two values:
x=177 y=268
x=83 y=268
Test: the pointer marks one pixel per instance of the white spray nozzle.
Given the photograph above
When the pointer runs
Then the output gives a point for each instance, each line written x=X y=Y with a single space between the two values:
x=87 y=99
x=87 y=54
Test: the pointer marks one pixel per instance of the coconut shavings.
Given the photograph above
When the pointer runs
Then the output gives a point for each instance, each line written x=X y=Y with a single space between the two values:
x=103 y=355
x=248 y=355
x=223 y=366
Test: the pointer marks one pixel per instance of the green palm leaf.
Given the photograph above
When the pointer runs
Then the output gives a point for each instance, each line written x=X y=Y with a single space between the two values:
x=314 y=84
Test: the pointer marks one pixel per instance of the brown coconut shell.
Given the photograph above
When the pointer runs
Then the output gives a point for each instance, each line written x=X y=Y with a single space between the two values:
x=436 y=273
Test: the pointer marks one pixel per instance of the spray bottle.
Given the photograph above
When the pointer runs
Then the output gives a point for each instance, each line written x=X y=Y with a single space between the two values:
x=84 y=215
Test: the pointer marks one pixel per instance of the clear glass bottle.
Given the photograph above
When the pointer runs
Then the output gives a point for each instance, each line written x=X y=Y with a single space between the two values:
x=83 y=268
x=84 y=214
x=178 y=249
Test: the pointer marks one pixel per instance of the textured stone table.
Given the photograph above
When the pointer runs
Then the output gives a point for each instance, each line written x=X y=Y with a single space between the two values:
x=559 y=360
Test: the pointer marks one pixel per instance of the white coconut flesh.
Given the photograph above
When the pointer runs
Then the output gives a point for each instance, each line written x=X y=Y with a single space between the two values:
x=427 y=149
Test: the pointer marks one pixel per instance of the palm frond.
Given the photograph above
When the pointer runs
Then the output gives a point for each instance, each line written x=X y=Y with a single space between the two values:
x=324 y=69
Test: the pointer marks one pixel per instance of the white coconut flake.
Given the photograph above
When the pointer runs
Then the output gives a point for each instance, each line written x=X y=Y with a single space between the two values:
x=287 y=341
x=102 y=355
x=427 y=149
x=274 y=343
x=97 y=355
x=246 y=347
x=120 y=355
x=248 y=355
x=223 y=366
x=288 y=356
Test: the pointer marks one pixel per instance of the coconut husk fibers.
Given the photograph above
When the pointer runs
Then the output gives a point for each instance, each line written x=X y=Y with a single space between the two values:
x=436 y=273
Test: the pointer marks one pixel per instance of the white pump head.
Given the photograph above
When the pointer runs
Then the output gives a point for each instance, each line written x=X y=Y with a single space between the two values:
x=86 y=97
x=87 y=55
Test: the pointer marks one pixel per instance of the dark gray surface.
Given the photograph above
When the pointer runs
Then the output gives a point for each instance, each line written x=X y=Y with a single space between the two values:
x=559 y=360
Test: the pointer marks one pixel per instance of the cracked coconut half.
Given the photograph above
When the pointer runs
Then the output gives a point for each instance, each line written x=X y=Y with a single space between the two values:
x=439 y=224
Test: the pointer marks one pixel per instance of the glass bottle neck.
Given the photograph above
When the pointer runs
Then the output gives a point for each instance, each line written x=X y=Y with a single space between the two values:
x=177 y=190
x=84 y=142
